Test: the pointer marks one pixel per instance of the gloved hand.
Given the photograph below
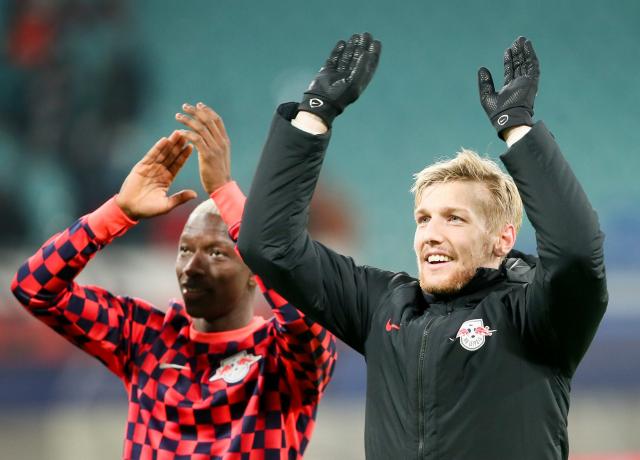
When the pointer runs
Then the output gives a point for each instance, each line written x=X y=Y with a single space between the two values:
x=343 y=78
x=513 y=105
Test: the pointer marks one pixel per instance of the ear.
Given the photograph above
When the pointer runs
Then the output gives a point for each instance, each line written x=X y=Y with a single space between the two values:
x=251 y=283
x=505 y=242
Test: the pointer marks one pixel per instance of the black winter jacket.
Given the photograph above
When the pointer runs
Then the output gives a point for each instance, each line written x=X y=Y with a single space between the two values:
x=484 y=374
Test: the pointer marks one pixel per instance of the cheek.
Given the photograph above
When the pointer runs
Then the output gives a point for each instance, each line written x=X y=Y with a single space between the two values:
x=230 y=275
x=479 y=248
x=416 y=241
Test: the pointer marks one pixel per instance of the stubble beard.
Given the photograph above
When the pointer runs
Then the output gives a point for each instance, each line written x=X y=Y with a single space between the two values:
x=451 y=285
x=458 y=279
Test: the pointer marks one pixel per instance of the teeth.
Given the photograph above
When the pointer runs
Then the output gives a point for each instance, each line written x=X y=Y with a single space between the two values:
x=438 y=258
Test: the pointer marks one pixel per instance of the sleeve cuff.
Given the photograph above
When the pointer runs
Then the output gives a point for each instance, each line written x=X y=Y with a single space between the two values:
x=287 y=112
x=230 y=202
x=537 y=135
x=109 y=221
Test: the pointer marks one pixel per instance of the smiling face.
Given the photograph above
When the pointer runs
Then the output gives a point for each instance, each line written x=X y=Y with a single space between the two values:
x=216 y=285
x=453 y=238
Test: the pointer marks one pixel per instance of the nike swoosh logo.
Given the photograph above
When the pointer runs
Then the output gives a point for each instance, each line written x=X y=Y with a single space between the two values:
x=390 y=326
x=172 y=366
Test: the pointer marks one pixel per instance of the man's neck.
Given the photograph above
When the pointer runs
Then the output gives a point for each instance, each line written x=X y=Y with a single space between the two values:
x=236 y=319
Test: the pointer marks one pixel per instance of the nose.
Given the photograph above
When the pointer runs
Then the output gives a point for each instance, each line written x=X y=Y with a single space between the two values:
x=430 y=232
x=195 y=265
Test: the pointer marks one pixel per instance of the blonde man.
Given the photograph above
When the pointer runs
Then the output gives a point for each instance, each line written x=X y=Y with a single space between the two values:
x=472 y=360
x=472 y=204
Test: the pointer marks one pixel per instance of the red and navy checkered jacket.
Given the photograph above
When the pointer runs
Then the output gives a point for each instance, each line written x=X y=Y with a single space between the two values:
x=250 y=393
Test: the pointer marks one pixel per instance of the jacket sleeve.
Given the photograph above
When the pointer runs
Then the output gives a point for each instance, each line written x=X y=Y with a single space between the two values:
x=307 y=350
x=91 y=318
x=566 y=300
x=274 y=242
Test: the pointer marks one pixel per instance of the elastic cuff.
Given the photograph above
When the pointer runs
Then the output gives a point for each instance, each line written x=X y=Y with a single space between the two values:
x=109 y=221
x=230 y=202
x=320 y=107
x=510 y=118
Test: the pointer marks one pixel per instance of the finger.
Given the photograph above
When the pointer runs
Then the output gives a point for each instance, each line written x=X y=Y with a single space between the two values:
x=181 y=159
x=518 y=58
x=375 y=48
x=347 y=54
x=332 y=61
x=165 y=153
x=179 y=144
x=508 y=67
x=196 y=126
x=213 y=122
x=180 y=197
x=153 y=153
x=485 y=83
x=532 y=65
x=175 y=137
x=361 y=45
x=193 y=124
x=364 y=69
x=219 y=122
x=197 y=142
x=367 y=38
x=367 y=64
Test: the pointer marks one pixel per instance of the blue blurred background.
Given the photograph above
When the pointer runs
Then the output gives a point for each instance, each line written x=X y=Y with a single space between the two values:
x=86 y=86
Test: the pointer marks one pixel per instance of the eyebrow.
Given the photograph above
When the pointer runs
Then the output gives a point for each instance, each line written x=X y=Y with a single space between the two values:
x=453 y=209
x=211 y=238
x=445 y=210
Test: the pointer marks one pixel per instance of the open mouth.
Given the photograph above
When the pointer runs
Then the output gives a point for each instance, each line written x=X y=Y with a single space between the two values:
x=438 y=259
x=192 y=292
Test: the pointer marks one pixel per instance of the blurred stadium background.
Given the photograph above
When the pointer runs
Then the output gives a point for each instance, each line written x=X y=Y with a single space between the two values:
x=87 y=85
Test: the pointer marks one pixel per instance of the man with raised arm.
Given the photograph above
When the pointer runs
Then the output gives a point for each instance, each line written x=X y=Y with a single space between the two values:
x=206 y=379
x=474 y=358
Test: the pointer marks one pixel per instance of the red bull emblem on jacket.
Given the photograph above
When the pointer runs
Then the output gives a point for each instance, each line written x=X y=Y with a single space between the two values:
x=472 y=334
x=234 y=368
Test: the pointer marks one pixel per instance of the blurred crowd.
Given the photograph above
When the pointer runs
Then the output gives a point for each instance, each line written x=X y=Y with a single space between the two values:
x=71 y=85
x=72 y=82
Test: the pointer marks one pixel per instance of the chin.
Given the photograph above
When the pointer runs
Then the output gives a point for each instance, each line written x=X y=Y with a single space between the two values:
x=448 y=286
x=195 y=311
x=441 y=288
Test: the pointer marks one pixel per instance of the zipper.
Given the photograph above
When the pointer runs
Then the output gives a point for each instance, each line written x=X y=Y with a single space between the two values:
x=423 y=350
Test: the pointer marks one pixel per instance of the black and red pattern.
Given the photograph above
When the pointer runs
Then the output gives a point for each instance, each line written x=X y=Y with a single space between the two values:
x=176 y=410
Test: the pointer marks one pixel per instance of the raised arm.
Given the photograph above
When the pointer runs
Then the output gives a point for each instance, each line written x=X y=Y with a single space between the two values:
x=102 y=324
x=568 y=296
x=274 y=241
x=307 y=350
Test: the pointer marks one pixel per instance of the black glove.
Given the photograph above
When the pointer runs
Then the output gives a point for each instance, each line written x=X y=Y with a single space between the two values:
x=343 y=77
x=513 y=105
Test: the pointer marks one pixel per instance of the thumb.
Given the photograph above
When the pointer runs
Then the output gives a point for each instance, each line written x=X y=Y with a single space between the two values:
x=181 y=197
x=485 y=84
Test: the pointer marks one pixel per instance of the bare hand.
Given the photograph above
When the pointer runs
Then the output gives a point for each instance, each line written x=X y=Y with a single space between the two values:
x=208 y=134
x=144 y=192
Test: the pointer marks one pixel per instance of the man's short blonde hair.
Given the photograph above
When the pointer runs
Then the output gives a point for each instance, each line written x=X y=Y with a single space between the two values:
x=505 y=206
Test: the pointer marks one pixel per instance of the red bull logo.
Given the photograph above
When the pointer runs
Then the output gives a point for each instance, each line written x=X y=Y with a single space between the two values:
x=234 y=368
x=484 y=330
x=472 y=334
